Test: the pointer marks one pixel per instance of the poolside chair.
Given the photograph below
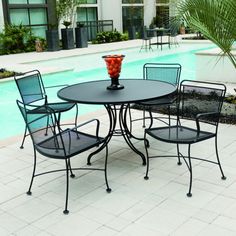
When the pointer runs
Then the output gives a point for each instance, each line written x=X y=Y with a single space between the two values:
x=199 y=107
x=32 y=91
x=59 y=144
x=167 y=72
x=146 y=39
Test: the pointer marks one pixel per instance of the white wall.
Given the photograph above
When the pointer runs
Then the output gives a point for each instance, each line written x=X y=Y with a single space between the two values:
x=149 y=11
x=111 y=10
x=1 y=17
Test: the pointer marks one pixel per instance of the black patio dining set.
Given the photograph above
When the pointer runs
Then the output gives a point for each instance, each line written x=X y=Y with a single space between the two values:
x=197 y=107
x=158 y=36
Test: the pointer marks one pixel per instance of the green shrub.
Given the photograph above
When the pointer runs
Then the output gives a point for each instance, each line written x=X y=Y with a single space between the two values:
x=110 y=36
x=5 y=73
x=16 y=39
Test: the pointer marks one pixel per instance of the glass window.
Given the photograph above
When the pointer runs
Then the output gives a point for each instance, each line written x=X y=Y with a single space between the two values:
x=132 y=1
x=81 y=14
x=91 y=1
x=38 y=16
x=39 y=31
x=19 y=16
x=17 y=1
x=37 y=1
x=87 y=14
x=132 y=16
x=32 y=13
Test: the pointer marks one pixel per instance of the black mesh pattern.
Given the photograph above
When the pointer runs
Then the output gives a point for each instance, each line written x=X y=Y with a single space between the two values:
x=200 y=102
x=38 y=124
x=166 y=72
x=181 y=134
x=163 y=72
x=50 y=141
x=195 y=100
x=30 y=87
x=67 y=143
x=60 y=106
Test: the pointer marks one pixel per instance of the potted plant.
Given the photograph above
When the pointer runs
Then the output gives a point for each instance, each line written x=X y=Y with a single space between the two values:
x=65 y=14
x=67 y=36
x=52 y=38
x=81 y=36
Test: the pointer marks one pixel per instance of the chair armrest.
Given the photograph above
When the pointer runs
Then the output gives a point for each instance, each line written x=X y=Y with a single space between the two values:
x=200 y=115
x=87 y=122
x=34 y=108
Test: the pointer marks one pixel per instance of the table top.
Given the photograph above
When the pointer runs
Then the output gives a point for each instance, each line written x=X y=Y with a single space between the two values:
x=96 y=92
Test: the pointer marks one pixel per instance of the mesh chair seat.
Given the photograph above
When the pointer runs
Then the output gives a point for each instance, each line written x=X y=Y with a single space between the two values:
x=166 y=100
x=55 y=107
x=179 y=134
x=74 y=143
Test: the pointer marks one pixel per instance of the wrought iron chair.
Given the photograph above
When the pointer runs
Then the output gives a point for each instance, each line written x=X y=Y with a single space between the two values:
x=59 y=144
x=146 y=39
x=201 y=103
x=32 y=91
x=166 y=72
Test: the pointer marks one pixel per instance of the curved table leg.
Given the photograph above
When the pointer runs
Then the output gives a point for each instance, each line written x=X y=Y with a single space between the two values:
x=112 y=114
x=126 y=109
x=124 y=130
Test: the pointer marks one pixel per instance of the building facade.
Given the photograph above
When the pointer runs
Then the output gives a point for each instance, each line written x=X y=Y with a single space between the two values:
x=40 y=14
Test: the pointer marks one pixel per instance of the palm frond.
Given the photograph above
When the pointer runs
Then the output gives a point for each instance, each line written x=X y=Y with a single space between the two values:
x=215 y=19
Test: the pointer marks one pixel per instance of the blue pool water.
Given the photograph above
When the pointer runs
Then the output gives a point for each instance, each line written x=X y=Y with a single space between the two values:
x=11 y=121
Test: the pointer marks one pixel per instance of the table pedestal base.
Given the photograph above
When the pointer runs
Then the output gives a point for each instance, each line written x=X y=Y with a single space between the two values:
x=118 y=114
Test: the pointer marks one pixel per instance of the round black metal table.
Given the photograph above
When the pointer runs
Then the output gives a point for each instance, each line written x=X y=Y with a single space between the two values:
x=117 y=102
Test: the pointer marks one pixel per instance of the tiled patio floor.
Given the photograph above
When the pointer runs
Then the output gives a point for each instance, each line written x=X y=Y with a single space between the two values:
x=135 y=207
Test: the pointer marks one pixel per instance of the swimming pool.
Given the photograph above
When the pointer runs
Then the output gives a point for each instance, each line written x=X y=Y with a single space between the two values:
x=11 y=120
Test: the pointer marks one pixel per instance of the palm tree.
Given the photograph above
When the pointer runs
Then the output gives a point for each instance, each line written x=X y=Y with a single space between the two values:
x=215 y=19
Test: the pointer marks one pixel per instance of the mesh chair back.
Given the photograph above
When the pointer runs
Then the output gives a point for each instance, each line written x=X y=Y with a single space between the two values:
x=201 y=97
x=167 y=72
x=38 y=124
x=30 y=86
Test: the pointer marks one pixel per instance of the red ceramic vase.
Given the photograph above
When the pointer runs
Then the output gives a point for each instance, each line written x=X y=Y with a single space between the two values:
x=113 y=63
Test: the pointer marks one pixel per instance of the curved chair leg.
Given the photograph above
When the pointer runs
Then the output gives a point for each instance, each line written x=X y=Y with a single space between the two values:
x=144 y=117
x=66 y=211
x=130 y=118
x=147 y=161
x=179 y=162
x=168 y=108
x=76 y=114
x=46 y=133
x=23 y=140
x=189 y=194
x=105 y=170
x=33 y=174
x=218 y=160
x=72 y=175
